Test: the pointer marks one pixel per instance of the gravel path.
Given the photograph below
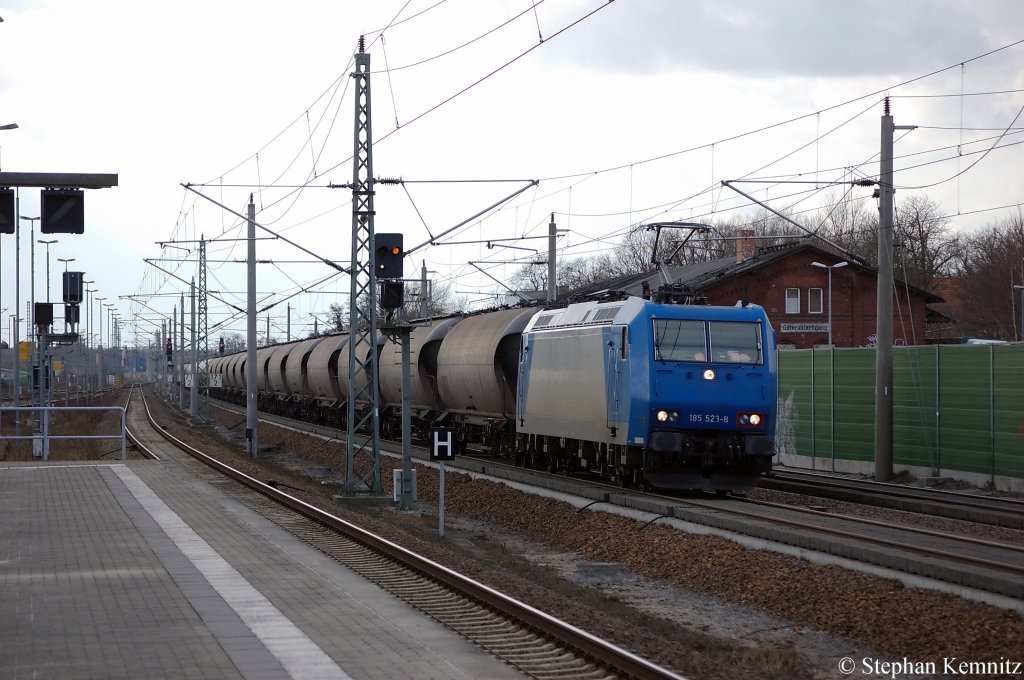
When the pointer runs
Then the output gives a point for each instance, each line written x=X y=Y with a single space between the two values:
x=701 y=605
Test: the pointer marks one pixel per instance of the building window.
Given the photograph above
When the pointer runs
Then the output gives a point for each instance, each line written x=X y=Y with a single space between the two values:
x=814 y=301
x=792 y=301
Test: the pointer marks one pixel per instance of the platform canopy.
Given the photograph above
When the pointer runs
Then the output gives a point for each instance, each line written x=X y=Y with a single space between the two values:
x=58 y=180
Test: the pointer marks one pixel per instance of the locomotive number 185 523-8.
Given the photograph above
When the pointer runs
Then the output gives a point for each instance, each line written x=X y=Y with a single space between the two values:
x=709 y=418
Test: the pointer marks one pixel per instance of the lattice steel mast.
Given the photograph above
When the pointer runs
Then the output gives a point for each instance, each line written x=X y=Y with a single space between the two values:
x=362 y=472
x=201 y=371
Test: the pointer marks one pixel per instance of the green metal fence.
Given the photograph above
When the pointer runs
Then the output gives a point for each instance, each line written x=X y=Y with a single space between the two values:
x=955 y=407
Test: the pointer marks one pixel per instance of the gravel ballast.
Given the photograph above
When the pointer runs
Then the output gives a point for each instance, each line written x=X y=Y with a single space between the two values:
x=701 y=605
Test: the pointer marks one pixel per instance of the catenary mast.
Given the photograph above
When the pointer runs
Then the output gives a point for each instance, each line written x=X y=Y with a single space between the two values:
x=362 y=471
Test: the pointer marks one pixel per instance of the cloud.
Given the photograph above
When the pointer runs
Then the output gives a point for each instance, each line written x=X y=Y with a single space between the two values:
x=790 y=37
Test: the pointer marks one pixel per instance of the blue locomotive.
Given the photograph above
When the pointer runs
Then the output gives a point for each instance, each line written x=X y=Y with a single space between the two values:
x=660 y=395
x=646 y=393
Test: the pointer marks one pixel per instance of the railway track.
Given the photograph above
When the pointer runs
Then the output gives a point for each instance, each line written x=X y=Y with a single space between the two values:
x=533 y=641
x=987 y=566
x=1004 y=512
x=1000 y=512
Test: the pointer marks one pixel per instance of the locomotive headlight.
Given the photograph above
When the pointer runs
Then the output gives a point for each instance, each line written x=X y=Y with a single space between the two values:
x=709 y=374
x=667 y=416
x=749 y=419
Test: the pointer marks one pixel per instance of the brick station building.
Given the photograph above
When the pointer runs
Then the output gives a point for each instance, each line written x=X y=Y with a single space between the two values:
x=795 y=294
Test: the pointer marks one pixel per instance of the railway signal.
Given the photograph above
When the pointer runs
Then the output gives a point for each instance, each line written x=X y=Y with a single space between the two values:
x=390 y=256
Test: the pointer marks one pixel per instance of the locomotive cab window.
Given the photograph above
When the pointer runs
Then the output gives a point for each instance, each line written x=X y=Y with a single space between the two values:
x=679 y=340
x=736 y=342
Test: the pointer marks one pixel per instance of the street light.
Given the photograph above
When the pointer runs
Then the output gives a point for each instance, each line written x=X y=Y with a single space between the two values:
x=1021 y=289
x=99 y=342
x=32 y=274
x=99 y=346
x=109 y=307
x=32 y=302
x=838 y=265
x=47 y=244
x=88 y=311
x=88 y=342
x=9 y=126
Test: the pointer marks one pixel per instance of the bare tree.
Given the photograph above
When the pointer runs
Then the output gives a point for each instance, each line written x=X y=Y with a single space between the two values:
x=991 y=264
x=336 y=316
x=851 y=223
x=924 y=245
x=529 y=277
x=571 y=274
x=584 y=271
x=440 y=298
x=676 y=246
x=233 y=342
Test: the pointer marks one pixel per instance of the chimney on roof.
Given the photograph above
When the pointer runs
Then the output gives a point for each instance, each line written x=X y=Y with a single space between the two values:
x=745 y=244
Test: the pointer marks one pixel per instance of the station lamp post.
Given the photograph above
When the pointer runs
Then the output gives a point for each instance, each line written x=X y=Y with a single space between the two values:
x=66 y=261
x=13 y=126
x=83 y=378
x=88 y=311
x=99 y=302
x=47 y=244
x=31 y=319
x=32 y=274
x=110 y=308
x=837 y=265
x=44 y=364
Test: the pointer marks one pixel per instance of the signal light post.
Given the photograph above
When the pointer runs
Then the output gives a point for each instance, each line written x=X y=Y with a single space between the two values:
x=389 y=265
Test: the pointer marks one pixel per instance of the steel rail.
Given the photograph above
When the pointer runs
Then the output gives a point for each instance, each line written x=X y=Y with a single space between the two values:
x=813 y=480
x=718 y=507
x=145 y=450
x=587 y=644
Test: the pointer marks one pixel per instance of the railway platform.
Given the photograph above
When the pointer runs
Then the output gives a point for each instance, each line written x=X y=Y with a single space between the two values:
x=142 y=570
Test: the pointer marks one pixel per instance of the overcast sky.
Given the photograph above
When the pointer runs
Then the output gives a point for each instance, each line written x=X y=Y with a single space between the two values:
x=627 y=112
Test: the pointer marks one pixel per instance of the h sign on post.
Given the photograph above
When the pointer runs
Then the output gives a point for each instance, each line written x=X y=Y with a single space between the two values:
x=442 y=443
x=442 y=448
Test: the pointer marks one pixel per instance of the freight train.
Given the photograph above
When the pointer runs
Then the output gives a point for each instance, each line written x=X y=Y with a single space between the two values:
x=644 y=392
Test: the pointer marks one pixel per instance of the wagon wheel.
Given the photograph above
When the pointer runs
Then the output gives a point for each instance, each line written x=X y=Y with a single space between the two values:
x=621 y=478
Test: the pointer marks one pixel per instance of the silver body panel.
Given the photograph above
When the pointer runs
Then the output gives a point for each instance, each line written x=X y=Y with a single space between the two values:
x=566 y=386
